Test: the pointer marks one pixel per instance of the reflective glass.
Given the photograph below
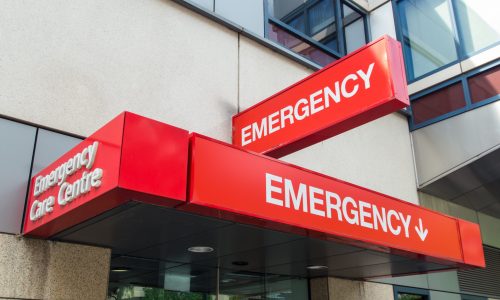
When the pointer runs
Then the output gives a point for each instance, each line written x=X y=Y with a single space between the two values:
x=314 y=18
x=50 y=146
x=428 y=35
x=479 y=23
x=438 y=103
x=16 y=152
x=484 y=85
x=195 y=282
x=298 y=23
x=406 y=296
x=285 y=38
x=354 y=29
x=321 y=15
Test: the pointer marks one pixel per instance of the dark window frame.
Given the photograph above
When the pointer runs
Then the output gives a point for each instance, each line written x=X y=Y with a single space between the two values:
x=340 y=28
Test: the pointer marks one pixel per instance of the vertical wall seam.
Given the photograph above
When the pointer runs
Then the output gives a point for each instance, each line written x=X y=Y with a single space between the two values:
x=328 y=287
x=238 y=75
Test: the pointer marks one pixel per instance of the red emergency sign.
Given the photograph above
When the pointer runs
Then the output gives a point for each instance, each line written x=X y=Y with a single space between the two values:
x=130 y=157
x=135 y=158
x=236 y=184
x=363 y=86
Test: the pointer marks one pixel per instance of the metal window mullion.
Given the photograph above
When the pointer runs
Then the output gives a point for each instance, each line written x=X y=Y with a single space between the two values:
x=400 y=28
x=467 y=95
x=368 y=34
x=340 y=26
x=457 y=30
x=307 y=28
x=266 y=18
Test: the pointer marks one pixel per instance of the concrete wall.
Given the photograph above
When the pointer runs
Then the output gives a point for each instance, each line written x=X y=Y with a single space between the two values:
x=37 y=269
x=74 y=65
x=382 y=21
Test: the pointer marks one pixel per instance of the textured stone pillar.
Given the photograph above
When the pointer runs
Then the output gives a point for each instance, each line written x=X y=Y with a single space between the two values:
x=338 y=289
x=319 y=288
x=40 y=269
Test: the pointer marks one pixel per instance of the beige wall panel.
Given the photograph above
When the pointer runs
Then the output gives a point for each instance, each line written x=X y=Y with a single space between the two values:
x=73 y=65
x=376 y=155
x=264 y=72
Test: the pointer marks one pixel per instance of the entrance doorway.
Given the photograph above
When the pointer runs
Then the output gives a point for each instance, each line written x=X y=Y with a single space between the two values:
x=192 y=282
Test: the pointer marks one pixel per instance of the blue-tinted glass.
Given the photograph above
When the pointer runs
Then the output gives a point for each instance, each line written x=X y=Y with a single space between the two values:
x=332 y=44
x=321 y=15
x=354 y=29
x=479 y=24
x=298 y=23
x=428 y=36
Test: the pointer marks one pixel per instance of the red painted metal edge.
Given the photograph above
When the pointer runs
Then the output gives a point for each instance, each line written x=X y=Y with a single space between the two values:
x=154 y=160
x=472 y=245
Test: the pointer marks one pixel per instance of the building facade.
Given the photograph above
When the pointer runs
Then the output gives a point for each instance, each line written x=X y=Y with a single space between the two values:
x=68 y=67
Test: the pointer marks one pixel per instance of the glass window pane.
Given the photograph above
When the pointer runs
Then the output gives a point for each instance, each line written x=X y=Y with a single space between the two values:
x=16 y=152
x=280 y=287
x=322 y=25
x=283 y=37
x=479 y=23
x=428 y=36
x=354 y=29
x=316 y=19
x=321 y=15
x=298 y=23
x=355 y=35
x=438 y=103
x=49 y=147
x=485 y=85
x=405 y=296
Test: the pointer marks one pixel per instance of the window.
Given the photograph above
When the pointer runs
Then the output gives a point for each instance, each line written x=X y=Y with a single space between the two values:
x=437 y=33
x=466 y=92
x=312 y=28
x=407 y=293
x=354 y=26
x=485 y=85
x=478 y=24
x=427 y=35
x=440 y=102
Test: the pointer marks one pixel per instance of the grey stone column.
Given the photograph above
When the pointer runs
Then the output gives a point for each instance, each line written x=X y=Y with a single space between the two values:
x=337 y=289
x=40 y=269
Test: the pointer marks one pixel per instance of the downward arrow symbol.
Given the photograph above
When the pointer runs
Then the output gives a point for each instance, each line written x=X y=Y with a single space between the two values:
x=420 y=230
